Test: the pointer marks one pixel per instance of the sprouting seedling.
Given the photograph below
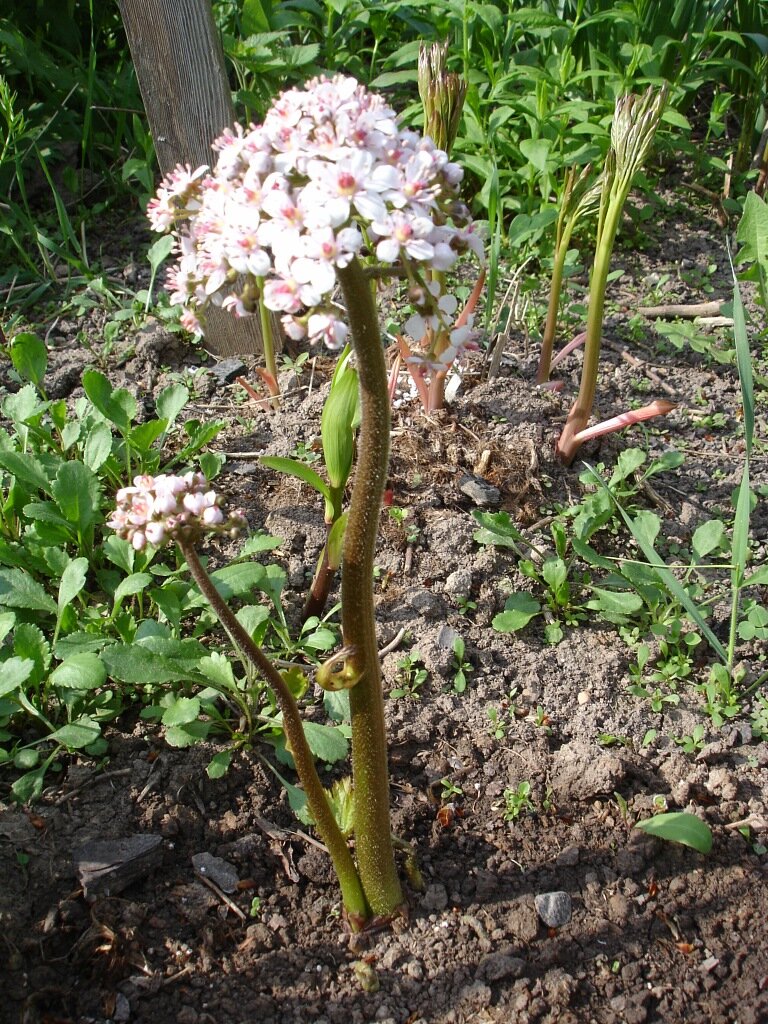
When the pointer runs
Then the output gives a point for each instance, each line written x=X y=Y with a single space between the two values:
x=580 y=199
x=635 y=121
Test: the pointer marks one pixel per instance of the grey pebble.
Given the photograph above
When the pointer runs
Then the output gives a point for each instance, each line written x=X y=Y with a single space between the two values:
x=219 y=871
x=480 y=491
x=554 y=908
x=435 y=898
x=226 y=370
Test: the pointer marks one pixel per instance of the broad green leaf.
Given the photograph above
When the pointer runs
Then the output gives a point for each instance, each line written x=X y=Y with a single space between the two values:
x=76 y=490
x=83 y=671
x=759 y=578
x=119 y=552
x=498 y=529
x=752 y=231
x=159 y=251
x=628 y=461
x=7 y=622
x=139 y=663
x=117 y=405
x=171 y=401
x=679 y=827
x=29 y=356
x=337 y=426
x=98 y=446
x=133 y=584
x=13 y=673
x=519 y=609
x=707 y=538
x=219 y=764
x=259 y=542
x=29 y=787
x=77 y=735
x=615 y=602
x=555 y=573
x=19 y=590
x=78 y=643
x=536 y=151
x=27 y=469
x=183 y=711
x=187 y=735
x=144 y=435
x=218 y=670
x=300 y=470
x=72 y=581
x=588 y=554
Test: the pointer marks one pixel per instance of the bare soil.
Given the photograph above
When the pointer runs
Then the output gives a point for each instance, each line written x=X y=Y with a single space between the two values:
x=657 y=932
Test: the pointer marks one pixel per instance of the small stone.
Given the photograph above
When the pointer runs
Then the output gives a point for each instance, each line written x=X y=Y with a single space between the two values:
x=218 y=870
x=554 y=908
x=122 y=1011
x=414 y=970
x=435 y=898
x=582 y=697
x=459 y=583
x=226 y=370
x=568 y=857
x=480 y=491
x=497 y=966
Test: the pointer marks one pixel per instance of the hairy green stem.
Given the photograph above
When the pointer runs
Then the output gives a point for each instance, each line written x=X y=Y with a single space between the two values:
x=351 y=889
x=373 y=837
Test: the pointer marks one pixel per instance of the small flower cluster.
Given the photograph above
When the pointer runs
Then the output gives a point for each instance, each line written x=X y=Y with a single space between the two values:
x=327 y=176
x=161 y=509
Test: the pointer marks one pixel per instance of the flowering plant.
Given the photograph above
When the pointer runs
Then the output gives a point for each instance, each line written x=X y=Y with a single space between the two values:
x=329 y=191
x=328 y=177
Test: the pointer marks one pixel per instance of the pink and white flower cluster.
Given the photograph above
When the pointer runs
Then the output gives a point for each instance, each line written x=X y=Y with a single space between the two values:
x=161 y=509
x=328 y=176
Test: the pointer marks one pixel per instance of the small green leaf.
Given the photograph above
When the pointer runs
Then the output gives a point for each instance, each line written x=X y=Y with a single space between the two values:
x=14 y=672
x=519 y=609
x=218 y=670
x=98 y=446
x=19 y=590
x=219 y=764
x=118 y=406
x=707 y=538
x=29 y=357
x=83 y=671
x=679 y=827
x=298 y=469
x=183 y=711
x=77 y=493
x=615 y=602
x=133 y=584
x=72 y=581
x=186 y=735
x=29 y=787
x=77 y=735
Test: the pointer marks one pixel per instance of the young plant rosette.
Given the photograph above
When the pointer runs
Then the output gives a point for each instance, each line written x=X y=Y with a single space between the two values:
x=331 y=192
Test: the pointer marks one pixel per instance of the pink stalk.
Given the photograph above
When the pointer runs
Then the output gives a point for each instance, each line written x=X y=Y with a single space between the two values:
x=659 y=407
x=577 y=342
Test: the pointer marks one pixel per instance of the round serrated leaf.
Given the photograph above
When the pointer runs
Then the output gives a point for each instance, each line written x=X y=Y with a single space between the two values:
x=83 y=671
x=76 y=735
x=182 y=711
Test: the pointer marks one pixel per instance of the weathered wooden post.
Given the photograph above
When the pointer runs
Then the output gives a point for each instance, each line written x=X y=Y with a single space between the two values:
x=179 y=64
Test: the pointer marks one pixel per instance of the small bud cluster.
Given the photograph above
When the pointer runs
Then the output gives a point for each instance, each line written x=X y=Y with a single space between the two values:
x=161 y=509
x=328 y=176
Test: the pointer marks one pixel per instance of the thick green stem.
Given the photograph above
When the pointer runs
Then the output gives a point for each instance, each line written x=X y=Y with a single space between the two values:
x=373 y=838
x=268 y=341
x=351 y=889
x=581 y=410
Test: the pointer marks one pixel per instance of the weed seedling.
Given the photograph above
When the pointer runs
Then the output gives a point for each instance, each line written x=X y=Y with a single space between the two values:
x=517 y=801
x=461 y=667
x=411 y=676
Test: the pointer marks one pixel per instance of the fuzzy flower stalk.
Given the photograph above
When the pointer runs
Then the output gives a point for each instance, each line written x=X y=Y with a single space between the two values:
x=635 y=121
x=184 y=510
x=330 y=192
